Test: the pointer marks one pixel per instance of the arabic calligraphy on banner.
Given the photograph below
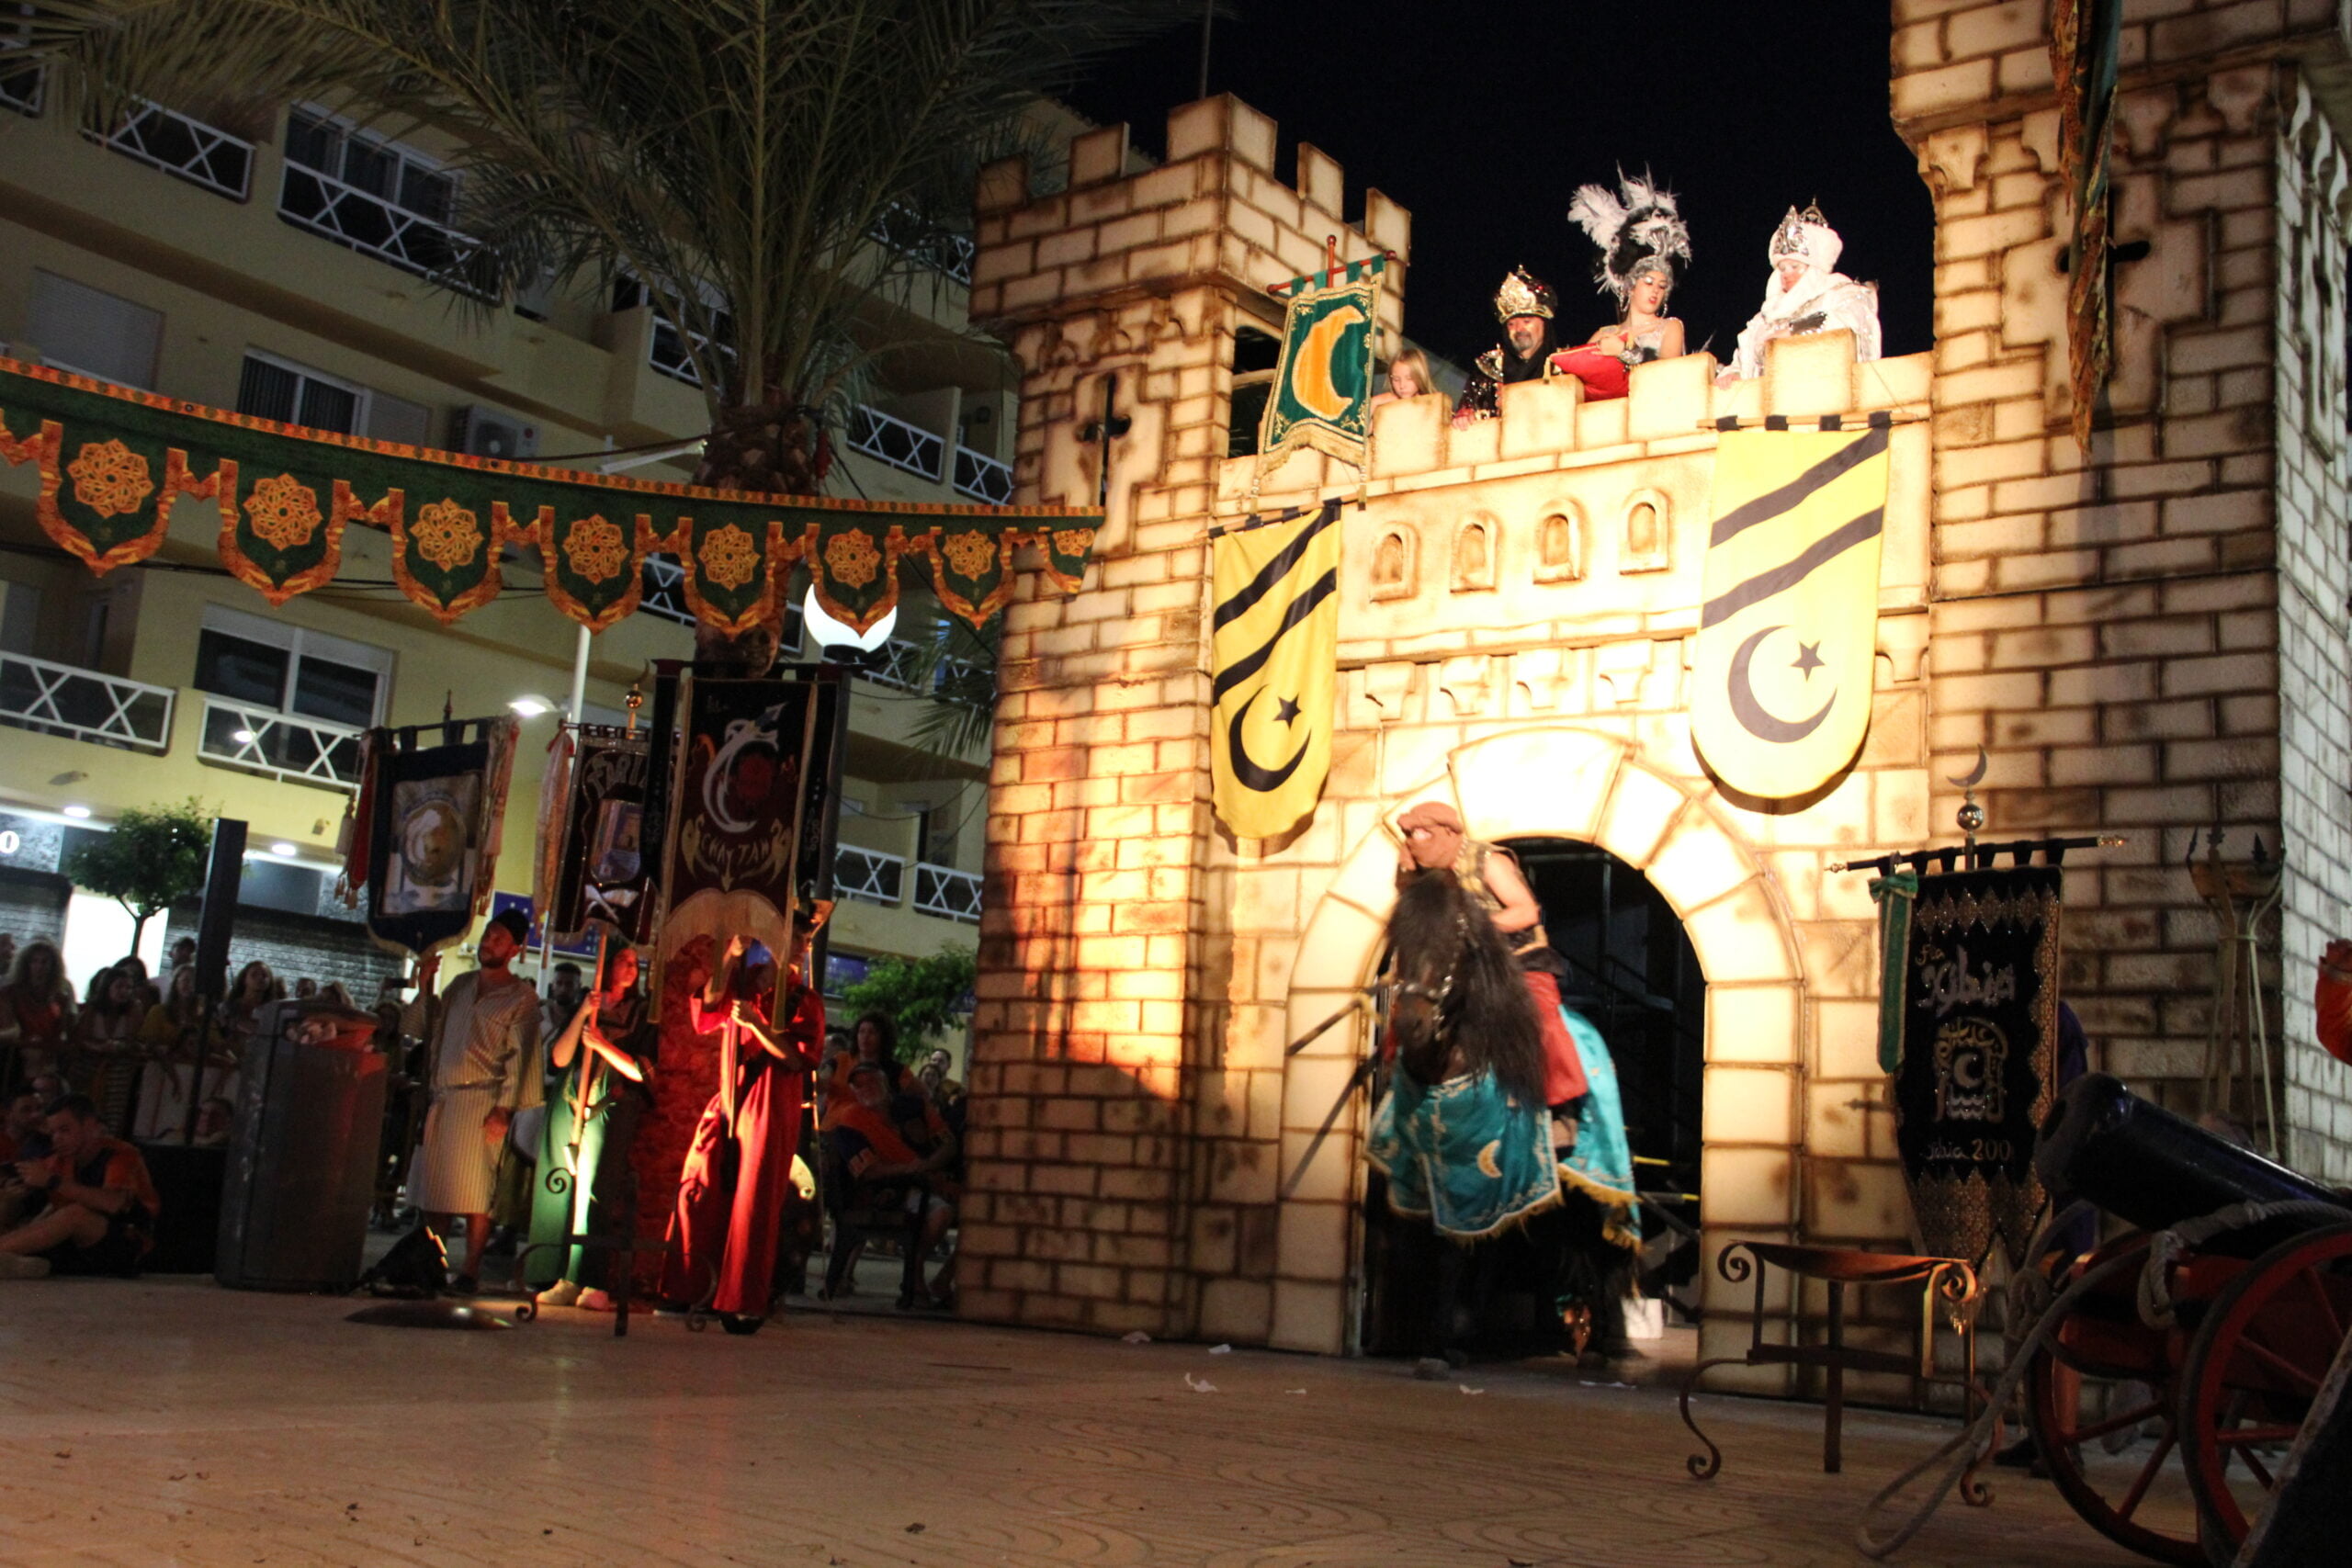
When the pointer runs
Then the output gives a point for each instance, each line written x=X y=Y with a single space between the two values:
x=1979 y=1016
x=116 y=467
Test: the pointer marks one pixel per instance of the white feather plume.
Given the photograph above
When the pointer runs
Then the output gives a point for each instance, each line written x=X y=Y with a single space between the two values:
x=1599 y=214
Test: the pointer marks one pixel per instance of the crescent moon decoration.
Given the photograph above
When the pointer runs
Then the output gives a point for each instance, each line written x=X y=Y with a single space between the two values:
x=1310 y=376
x=1252 y=774
x=1753 y=716
x=1976 y=775
x=740 y=734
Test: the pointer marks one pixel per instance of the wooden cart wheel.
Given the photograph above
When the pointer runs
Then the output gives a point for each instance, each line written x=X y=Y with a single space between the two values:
x=2260 y=1356
x=2108 y=1381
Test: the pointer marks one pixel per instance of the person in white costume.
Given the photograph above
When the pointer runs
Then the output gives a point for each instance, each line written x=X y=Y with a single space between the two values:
x=1807 y=294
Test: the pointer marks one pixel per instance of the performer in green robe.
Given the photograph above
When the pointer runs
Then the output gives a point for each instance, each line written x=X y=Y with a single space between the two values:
x=601 y=1064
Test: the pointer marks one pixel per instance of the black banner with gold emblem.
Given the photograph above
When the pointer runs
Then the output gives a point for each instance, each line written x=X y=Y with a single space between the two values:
x=1979 y=1066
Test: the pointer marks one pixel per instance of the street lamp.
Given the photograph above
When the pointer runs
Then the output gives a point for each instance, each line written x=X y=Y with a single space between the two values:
x=835 y=638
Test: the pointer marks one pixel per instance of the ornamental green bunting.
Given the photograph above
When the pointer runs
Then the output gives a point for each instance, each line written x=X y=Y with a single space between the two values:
x=113 y=463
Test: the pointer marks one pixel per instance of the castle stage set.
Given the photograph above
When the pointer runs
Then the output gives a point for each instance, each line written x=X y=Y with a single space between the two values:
x=2141 y=622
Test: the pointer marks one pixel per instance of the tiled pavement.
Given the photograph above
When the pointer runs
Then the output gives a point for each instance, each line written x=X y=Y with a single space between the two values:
x=169 y=1422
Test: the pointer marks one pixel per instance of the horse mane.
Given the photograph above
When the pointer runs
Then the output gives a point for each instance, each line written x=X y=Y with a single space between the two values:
x=1437 y=923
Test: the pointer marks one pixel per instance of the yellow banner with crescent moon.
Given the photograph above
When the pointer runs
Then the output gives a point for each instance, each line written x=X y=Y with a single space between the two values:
x=1788 y=624
x=1322 y=392
x=1275 y=656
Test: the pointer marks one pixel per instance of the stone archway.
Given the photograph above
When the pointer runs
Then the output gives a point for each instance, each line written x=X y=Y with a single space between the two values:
x=1569 y=782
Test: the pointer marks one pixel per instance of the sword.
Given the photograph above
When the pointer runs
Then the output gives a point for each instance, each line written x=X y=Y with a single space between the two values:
x=1355 y=1080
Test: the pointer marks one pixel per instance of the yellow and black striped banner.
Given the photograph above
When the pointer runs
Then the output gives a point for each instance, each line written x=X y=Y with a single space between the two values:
x=1274 y=647
x=1788 y=630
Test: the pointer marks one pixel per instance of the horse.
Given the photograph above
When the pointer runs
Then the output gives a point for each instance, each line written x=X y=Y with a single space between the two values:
x=1462 y=1133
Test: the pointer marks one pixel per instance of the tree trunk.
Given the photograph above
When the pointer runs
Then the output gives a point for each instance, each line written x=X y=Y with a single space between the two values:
x=764 y=449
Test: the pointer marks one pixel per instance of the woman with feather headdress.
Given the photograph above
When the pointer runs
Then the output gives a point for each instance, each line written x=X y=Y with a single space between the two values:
x=1644 y=247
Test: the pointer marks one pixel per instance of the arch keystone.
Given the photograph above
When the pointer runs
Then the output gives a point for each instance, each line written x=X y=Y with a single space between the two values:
x=1535 y=781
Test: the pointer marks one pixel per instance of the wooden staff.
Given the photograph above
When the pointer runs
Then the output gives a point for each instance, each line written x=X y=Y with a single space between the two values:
x=588 y=1079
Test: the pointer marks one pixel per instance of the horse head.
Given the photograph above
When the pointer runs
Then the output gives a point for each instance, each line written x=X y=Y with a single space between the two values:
x=1457 y=1001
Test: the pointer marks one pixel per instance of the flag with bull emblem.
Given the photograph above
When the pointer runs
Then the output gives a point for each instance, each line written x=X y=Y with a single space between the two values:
x=1789 y=617
x=1322 y=392
x=1274 y=643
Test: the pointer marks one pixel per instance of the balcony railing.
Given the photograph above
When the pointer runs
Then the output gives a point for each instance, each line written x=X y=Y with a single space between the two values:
x=366 y=222
x=281 y=745
x=190 y=149
x=61 y=699
x=912 y=234
x=942 y=890
x=869 y=876
x=20 y=86
x=889 y=439
x=983 y=479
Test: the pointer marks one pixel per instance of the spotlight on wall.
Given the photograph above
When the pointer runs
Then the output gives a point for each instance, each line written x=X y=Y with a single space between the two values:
x=531 y=707
x=243 y=737
x=79 y=813
x=282 y=847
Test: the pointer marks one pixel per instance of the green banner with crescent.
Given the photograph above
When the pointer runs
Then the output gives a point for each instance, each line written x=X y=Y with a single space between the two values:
x=1322 y=392
x=113 y=463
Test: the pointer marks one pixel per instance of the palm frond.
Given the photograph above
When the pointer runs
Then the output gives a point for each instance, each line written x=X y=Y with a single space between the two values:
x=733 y=156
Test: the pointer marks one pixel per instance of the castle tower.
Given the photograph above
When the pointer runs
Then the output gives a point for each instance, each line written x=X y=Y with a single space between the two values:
x=2151 y=638
x=1101 y=1194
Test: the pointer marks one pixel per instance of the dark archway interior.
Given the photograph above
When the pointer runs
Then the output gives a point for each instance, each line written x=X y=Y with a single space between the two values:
x=1637 y=980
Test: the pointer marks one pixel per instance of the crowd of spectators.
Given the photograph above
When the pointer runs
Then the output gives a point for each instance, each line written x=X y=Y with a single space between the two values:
x=134 y=1059
x=85 y=1080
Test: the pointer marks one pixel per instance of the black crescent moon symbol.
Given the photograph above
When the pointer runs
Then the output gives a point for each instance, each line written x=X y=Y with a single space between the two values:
x=1252 y=775
x=1752 y=713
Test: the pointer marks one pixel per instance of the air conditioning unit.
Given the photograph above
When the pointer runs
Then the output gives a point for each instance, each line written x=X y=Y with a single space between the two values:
x=481 y=432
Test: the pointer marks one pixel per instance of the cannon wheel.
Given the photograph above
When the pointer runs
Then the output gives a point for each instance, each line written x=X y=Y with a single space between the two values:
x=2068 y=1418
x=2260 y=1354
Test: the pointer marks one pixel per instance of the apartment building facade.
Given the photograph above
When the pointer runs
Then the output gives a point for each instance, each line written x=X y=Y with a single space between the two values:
x=282 y=271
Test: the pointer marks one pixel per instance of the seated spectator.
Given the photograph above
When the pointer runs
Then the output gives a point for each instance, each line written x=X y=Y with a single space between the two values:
x=182 y=952
x=95 y=1203
x=874 y=1042
x=305 y=989
x=21 y=1137
x=890 y=1169
x=944 y=1091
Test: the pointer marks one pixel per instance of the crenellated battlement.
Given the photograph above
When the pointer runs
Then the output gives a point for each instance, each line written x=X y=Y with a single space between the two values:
x=1546 y=425
x=1214 y=210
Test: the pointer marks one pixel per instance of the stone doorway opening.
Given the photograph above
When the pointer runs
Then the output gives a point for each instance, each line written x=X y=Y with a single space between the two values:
x=1635 y=974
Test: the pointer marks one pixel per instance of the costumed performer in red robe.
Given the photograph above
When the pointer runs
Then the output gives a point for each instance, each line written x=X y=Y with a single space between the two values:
x=738 y=1173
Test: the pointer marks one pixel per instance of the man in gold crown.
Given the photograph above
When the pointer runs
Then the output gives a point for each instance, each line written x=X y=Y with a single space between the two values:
x=1806 y=295
x=1524 y=305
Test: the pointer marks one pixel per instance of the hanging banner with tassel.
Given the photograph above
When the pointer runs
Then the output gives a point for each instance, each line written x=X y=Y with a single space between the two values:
x=114 y=464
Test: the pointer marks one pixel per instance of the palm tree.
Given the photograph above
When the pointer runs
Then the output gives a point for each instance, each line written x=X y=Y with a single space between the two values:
x=733 y=157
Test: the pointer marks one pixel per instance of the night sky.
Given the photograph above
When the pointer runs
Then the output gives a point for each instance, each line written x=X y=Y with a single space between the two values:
x=1484 y=117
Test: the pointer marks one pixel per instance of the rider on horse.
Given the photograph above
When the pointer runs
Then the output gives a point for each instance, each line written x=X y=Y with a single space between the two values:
x=1434 y=841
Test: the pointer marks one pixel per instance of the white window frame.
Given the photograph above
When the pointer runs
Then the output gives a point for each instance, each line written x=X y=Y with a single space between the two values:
x=406 y=153
x=361 y=409
x=299 y=643
x=54 y=363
